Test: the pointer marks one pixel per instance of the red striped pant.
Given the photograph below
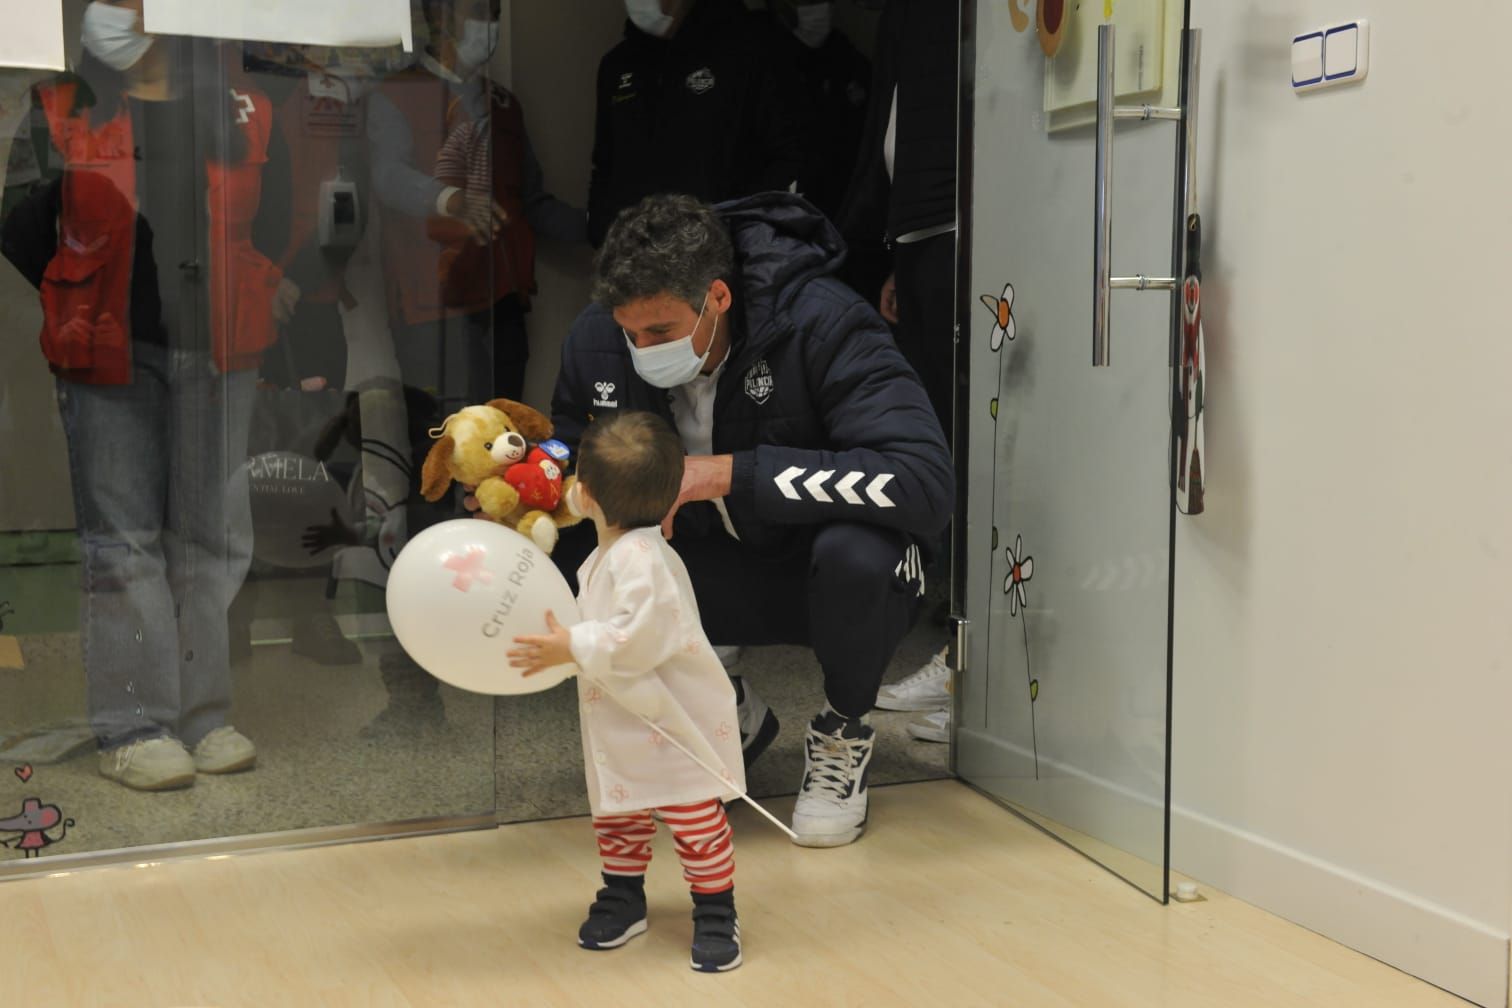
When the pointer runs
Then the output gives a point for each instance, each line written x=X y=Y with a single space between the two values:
x=701 y=833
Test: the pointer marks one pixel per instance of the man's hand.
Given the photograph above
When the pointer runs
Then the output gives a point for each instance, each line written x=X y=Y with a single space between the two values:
x=537 y=654
x=705 y=477
x=887 y=304
x=484 y=217
x=285 y=299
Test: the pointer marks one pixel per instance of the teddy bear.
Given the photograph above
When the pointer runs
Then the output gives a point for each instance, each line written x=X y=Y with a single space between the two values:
x=503 y=450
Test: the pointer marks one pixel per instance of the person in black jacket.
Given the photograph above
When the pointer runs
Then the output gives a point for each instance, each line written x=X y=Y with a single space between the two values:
x=694 y=100
x=900 y=212
x=833 y=80
x=900 y=221
x=817 y=474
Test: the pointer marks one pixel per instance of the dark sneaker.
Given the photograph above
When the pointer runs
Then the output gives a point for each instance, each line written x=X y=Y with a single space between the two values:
x=617 y=915
x=716 y=938
x=758 y=725
x=320 y=639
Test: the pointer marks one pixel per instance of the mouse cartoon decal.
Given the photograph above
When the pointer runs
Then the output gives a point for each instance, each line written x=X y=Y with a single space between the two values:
x=32 y=824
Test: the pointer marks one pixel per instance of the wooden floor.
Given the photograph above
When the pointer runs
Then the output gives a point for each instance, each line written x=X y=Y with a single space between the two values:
x=947 y=901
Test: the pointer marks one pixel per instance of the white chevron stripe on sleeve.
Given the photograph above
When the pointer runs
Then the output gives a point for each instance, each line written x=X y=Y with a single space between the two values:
x=785 y=482
x=845 y=488
x=815 y=485
x=875 y=488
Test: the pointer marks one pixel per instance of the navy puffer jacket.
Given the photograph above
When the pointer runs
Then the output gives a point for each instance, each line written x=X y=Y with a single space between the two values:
x=824 y=418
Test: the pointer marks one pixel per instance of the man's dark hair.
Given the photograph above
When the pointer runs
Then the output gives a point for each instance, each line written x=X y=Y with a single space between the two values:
x=632 y=463
x=672 y=245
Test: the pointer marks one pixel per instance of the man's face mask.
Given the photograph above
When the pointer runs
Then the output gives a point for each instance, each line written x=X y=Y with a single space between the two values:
x=478 y=42
x=112 y=35
x=648 y=17
x=813 y=23
x=668 y=365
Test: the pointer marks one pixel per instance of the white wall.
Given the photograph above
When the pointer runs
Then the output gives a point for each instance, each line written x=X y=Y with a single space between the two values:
x=1343 y=643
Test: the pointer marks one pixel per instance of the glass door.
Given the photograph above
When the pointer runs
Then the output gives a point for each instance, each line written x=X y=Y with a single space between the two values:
x=1065 y=552
x=203 y=485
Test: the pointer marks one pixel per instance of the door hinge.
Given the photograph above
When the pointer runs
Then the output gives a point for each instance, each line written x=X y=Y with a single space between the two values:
x=962 y=635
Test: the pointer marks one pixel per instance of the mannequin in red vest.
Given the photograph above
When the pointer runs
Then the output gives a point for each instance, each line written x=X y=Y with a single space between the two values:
x=462 y=200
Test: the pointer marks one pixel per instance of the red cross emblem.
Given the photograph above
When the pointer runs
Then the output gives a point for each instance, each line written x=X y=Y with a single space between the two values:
x=469 y=568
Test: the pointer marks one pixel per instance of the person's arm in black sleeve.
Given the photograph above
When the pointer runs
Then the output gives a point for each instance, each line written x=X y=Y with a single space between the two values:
x=862 y=219
x=549 y=216
x=889 y=464
x=781 y=119
x=600 y=185
x=569 y=400
x=29 y=234
x=270 y=229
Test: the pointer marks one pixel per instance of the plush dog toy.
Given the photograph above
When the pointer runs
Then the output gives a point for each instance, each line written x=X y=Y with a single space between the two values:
x=517 y=484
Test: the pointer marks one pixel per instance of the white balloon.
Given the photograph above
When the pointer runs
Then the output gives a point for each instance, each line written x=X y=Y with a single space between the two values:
x=459 y=594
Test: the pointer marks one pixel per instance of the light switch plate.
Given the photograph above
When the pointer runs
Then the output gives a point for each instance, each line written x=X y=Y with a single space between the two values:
x=1307 y=60
x=1346 y=52
x=1325 y=57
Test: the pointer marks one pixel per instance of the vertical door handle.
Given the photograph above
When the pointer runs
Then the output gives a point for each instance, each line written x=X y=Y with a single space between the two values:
x=1102 y=237
x=1104 y=283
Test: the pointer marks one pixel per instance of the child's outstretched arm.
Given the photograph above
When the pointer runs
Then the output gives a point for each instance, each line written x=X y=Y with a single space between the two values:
x=640 y=635
x=539 y=653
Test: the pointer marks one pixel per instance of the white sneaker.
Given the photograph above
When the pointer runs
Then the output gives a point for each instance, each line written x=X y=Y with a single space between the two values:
x=931 y=727
x=831 y=808
x=926 y=689
x=225 y=750
x=152 y=764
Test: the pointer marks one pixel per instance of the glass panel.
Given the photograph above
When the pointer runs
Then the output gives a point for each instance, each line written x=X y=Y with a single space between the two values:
x=1063 y=711
x=199 y=504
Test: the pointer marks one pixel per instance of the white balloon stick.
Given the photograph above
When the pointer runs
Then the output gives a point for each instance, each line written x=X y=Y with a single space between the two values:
x=745 y=797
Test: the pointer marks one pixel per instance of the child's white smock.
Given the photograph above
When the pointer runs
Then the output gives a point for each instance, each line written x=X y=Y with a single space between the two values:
x=642 y=648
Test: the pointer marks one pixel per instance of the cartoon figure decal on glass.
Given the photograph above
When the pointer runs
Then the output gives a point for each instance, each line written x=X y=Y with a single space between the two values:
x=1004 y=326
x=1022 y=14
x=31 y=826
x=1052 y=26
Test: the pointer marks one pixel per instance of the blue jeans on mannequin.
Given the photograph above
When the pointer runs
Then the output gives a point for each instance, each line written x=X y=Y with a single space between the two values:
x=161 y=500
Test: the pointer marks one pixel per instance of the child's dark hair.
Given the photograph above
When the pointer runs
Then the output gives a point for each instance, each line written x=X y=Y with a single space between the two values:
x=632 y=463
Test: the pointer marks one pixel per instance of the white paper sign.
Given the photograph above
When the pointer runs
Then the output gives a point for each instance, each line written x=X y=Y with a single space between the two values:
x=31 y=34
x=304 y=22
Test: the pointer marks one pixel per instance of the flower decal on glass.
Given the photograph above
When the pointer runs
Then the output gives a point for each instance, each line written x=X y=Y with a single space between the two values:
x=1004 y=327
x=1020 y=570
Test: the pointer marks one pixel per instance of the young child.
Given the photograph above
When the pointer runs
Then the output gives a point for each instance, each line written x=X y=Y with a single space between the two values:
x=643 y=653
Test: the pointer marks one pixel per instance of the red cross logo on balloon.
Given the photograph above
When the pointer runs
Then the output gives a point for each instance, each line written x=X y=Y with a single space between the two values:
x=469 y=568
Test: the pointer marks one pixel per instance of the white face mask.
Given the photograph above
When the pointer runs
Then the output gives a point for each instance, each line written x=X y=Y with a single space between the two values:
x=648 y=17
x=478 y=42
x=669 y=365
x=814 y=21
x=113 y=36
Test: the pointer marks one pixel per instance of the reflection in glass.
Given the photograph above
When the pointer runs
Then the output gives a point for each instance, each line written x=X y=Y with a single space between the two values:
x=198 y=516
